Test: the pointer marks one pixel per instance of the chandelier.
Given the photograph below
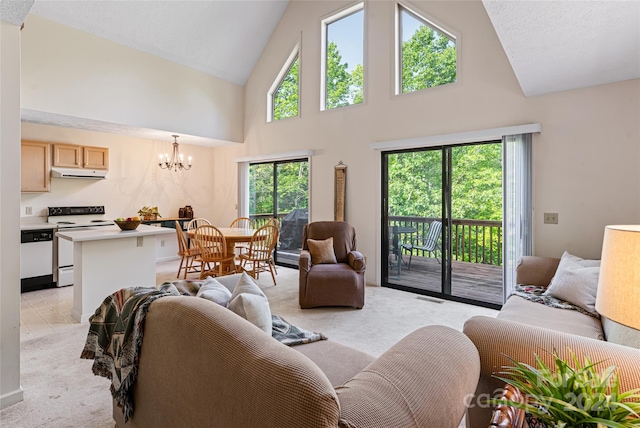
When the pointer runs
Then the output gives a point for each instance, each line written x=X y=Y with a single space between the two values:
x=177 y=160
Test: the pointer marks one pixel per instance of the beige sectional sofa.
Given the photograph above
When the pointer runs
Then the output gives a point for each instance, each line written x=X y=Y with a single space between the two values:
x=523 y=328
x=201 y=365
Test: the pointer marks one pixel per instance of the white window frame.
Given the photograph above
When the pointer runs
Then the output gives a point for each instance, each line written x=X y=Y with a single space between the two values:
x=295 y=54
x=434 y=25
x=323 y=49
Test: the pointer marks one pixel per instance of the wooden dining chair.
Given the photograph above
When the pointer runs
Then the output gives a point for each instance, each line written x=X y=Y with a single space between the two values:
x=242 y=223
x=260 y=253
x=194 y=223
x=213 y=252
x=275 y=221
x=189 y=255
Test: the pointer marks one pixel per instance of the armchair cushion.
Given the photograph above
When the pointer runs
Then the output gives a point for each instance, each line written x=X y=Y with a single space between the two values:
x=322 y=251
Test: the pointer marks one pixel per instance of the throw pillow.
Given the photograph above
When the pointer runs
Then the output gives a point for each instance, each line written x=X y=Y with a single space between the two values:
x=248 y=301
x=576 y=281
x=212 y=290
x=321 y=251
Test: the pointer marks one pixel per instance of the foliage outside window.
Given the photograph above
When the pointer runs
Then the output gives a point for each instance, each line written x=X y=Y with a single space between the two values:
x=344 y=58
x=427 y=57
x=285 y=97
x=291 y=179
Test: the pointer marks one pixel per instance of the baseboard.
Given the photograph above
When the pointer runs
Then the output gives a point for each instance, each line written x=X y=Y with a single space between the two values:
x=11 y=398
x=166 y=259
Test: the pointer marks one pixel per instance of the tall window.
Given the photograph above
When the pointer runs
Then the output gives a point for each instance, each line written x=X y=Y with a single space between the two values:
x=343 y=58
x=426 y=54
x=282 y=100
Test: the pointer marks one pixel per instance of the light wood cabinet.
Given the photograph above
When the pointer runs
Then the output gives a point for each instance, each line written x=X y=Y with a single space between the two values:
x=96 y=157
x=35 y=166
x=74 y=156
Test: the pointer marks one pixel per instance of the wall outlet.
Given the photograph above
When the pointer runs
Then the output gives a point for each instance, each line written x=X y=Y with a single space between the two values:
x=550 y=218
x=140 y=241
x=162 y=243
x=28 y=210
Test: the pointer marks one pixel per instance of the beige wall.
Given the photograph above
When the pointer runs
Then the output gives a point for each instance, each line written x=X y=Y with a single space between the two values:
x=586 y=161
x=69 y=72
x=10 y=391
x=134 y=178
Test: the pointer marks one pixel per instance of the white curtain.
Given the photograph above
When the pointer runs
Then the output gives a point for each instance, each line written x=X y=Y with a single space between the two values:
x=517 y=205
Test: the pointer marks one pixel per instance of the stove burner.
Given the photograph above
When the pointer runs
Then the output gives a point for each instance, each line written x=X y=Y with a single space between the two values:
x=97 y=221
x=66 y=222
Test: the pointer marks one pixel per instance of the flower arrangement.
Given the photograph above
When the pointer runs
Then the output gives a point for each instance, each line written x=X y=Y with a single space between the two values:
x=149 y=213
x=572 y=397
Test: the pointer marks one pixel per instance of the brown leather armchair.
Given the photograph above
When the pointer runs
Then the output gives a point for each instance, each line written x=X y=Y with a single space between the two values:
x=339 y=284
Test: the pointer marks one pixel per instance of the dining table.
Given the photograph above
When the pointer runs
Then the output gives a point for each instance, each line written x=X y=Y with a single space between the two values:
x=232 y=235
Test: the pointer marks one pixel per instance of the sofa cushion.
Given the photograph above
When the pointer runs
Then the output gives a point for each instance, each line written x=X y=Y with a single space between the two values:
x=576 y=281
x=214 y=291
x=539 y=315
x=248 y=301
x=321 y=251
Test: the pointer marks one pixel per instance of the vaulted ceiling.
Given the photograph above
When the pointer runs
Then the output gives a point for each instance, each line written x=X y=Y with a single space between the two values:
x=551 y=45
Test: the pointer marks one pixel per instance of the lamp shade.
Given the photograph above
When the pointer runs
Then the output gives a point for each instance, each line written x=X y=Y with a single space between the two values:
x=618 y=295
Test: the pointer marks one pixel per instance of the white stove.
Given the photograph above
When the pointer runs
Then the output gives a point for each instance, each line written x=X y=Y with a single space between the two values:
x=69 y=218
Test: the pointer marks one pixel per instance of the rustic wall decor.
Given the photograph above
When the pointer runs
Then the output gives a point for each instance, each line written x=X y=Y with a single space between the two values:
x=340 y=183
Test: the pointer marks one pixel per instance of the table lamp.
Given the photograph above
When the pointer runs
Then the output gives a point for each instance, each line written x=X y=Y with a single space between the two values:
x=618 y=295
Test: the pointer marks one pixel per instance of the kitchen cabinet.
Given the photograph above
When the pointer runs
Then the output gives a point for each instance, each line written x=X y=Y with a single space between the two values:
x=75 y=156
x=35 y=164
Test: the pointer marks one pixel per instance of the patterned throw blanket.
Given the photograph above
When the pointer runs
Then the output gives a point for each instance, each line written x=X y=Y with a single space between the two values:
x=536 y=294
x=115 y=337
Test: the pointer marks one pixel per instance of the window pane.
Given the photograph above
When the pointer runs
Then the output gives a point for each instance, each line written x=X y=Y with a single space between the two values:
x=428 y=57
x=344 y=56
x=285 y=98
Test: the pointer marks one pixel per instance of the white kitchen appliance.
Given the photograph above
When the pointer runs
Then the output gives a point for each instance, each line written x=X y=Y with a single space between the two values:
x=36 y=259
x=72 y=218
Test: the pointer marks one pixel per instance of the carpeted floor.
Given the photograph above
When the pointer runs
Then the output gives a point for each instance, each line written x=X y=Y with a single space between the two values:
x=61 y=391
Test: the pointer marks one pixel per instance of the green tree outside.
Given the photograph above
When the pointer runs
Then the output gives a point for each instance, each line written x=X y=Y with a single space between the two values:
x=285 y=98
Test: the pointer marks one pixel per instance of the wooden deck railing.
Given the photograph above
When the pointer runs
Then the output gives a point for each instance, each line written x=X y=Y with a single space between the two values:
x=475 y=241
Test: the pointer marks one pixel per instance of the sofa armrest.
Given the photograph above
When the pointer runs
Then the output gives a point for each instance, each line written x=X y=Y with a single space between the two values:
x=535 y=270
x=356 y=261
x=495 y=338
x=422 y=381
x=305 y=261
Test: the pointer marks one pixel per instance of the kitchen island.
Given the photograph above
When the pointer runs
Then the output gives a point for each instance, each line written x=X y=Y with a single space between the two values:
x=106 y=259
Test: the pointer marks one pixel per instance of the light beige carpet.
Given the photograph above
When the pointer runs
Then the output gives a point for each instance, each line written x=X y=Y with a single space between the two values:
x=61 y=391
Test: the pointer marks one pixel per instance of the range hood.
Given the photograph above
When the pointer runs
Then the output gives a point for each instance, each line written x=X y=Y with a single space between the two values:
x=92 y=174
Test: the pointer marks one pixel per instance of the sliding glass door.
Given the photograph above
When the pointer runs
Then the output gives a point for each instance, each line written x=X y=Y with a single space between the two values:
x=442 y=222
x=281 y=190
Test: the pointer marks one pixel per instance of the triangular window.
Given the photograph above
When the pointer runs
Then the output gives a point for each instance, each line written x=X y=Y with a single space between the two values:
x=283 y=99
x=427 y=55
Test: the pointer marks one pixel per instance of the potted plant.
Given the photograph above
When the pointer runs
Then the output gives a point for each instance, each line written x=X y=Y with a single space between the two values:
x=578 y=396
x=149 y=213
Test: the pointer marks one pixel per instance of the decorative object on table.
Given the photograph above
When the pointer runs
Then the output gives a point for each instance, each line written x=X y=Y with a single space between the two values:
x=129 y=223
x=149 y=213
x=567 y=396
x=177 y=160
x=340 y=183
x=185 y=212
x=618 y=296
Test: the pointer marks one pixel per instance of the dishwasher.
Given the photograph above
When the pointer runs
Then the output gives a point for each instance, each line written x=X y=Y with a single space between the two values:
x=36 y=259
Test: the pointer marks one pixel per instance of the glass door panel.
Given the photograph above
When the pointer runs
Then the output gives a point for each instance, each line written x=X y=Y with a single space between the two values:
x=413 y=223
x=281 y=190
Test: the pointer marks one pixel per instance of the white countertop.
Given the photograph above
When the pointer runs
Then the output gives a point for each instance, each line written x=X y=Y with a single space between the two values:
x=112 y=232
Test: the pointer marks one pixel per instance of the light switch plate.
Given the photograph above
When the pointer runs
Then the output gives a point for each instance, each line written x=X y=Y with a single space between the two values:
x=550 y=218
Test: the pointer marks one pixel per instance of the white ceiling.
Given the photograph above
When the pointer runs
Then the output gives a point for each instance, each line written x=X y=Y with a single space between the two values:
x=551 y=45
x=561 y=45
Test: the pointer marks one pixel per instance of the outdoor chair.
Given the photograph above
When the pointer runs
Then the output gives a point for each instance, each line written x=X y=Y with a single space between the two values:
x=428 y=243
x=395 y=250
x=330 y=275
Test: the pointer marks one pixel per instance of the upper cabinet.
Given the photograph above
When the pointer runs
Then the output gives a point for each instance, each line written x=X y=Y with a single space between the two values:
x=35 y=166
x=73 y=156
